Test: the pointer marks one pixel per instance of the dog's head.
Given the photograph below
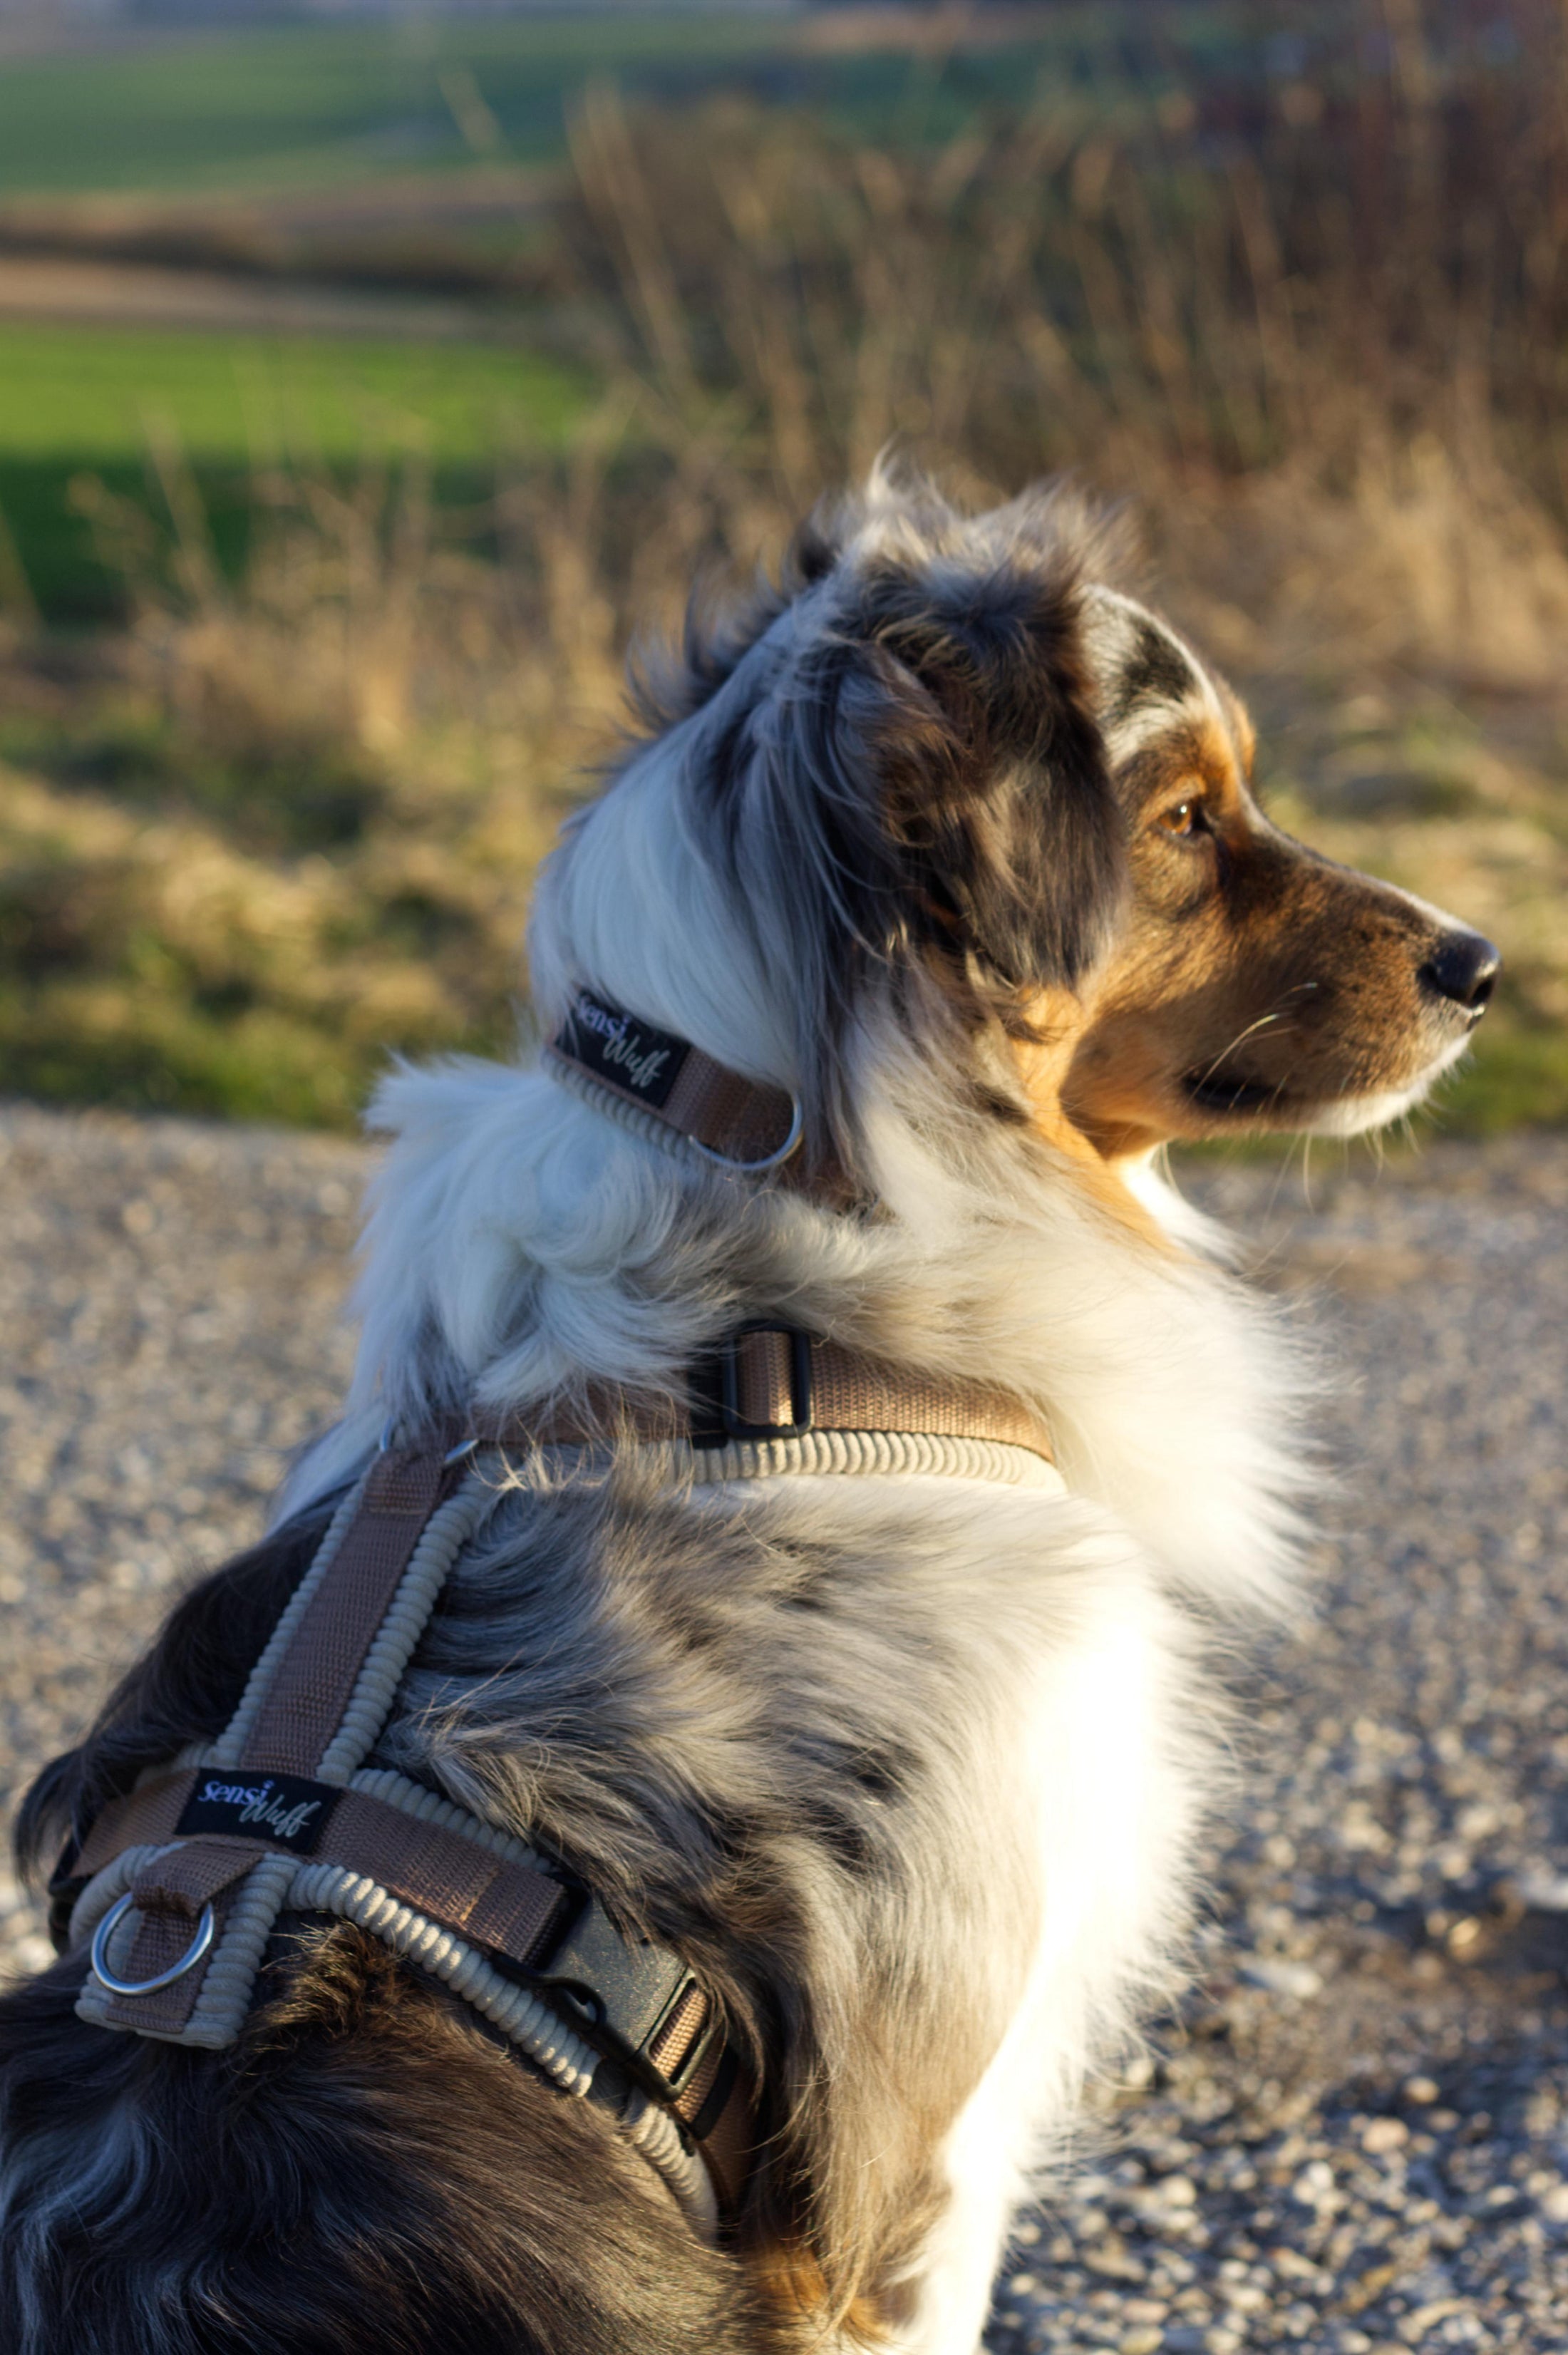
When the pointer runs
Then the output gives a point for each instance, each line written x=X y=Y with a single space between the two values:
x=1250 y=983
x=941 y=764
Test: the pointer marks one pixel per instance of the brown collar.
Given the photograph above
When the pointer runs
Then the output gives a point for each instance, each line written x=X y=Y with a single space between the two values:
x=747 y=1126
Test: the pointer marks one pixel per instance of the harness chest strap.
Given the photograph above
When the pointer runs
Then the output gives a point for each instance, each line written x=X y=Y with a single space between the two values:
x=228 y=1837
x=282 y=1804
x=509 y=1907
x=774 y=1381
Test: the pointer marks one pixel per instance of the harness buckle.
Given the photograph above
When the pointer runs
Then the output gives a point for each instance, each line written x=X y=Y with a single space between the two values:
x=623 y=1992
x=722 y=1387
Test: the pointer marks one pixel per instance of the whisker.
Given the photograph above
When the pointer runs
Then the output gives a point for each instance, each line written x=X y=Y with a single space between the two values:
x=1275 y=1014
x=1261 y=1024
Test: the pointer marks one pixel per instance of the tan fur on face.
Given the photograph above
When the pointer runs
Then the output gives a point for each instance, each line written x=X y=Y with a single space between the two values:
x=1055 y=1025
x=1253 y=984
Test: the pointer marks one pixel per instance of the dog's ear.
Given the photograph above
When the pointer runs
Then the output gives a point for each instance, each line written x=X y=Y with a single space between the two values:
x=959 y=703
x=667 y=685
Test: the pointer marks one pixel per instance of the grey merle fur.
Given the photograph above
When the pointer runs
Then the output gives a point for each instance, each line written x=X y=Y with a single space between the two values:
x=367 y=2169
x=920 y=760
x=364 y=2170
x=779 y=1729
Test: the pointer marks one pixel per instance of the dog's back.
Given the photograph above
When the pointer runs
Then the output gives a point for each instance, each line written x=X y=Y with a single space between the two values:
x=363 y=2170
x=797 y=1736
x=366 y=2168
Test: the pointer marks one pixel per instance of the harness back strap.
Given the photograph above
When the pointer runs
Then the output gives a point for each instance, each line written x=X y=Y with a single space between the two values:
x=302 y=1711
x=285 y=1800
x=304 y=1703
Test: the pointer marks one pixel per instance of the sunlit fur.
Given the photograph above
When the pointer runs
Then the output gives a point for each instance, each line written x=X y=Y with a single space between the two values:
x=911 y=1769
x=1258 y=984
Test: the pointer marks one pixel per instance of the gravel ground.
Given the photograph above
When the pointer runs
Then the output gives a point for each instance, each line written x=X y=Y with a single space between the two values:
x=1355 y=2137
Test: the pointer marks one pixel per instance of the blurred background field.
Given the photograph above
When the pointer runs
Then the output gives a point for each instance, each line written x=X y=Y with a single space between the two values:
x=365 y=381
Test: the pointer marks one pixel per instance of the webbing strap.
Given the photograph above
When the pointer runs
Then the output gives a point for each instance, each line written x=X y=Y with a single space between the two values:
x=303 y=1706
x=169 y=1896
x=505 y=1906
x=773 y=1379
x=849 y=1390
x=727 y=2134
x=299 y=1714
x=747 y=1124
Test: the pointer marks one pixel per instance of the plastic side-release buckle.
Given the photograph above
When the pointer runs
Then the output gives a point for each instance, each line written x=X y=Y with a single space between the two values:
x=620 y=1992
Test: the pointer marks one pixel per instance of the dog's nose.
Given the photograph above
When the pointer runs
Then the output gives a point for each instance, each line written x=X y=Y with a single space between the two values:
x=1463 y=966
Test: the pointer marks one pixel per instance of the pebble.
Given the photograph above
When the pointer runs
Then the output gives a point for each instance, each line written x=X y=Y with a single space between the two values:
x=1352 y=2138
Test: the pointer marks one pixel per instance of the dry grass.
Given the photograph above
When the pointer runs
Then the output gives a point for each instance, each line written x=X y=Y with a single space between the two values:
x=1314 y=330
x=276 y=830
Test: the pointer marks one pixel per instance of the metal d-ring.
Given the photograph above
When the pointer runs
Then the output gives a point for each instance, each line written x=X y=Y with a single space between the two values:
x=769 y=1160
x=193 y=1954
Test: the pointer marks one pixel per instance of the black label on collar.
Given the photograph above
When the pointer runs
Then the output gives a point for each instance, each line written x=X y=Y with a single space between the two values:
x=615 y=1046
x=287 y=1809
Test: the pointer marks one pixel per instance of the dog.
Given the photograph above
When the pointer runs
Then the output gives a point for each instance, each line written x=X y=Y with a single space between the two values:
x=953 y=848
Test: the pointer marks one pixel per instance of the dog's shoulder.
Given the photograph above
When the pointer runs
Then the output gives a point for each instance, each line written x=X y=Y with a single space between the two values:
x=364 y=2168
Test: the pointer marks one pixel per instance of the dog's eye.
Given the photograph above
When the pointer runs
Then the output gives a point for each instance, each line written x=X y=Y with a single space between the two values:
x=1181 y=818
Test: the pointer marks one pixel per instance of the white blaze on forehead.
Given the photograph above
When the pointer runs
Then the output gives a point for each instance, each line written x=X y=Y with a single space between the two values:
x=1117 y=635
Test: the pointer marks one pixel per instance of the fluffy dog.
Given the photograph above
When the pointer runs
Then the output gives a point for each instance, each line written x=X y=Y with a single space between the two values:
x=957 y=846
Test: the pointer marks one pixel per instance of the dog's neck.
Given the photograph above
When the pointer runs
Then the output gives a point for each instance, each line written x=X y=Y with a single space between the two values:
x=520 y=1242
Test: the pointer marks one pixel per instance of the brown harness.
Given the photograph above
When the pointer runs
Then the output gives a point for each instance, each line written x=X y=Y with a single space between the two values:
x=179 y=1883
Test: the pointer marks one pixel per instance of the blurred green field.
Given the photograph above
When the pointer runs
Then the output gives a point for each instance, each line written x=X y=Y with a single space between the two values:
x=95 y=393
x=307 y=639
x=79 y=401
x=119 y=141
x=298 y=103
x=292 y=103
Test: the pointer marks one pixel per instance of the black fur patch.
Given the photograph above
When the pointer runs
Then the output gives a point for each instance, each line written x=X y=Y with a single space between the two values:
x=364 y=2174
x=1004 y=807
x=1156 y=671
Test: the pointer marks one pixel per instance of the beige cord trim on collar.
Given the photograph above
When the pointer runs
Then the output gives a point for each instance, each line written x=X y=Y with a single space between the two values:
x=748 y=1126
